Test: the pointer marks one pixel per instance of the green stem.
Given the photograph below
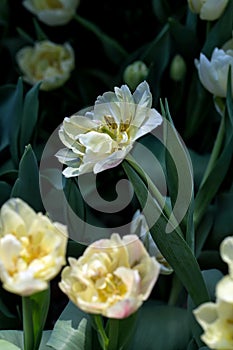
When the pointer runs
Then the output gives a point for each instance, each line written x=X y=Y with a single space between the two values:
x=175 y=291
x=103 y=339
x=165 y=210
x=216 y=150
x=199 y=211
x=113 y=333
x=28 y=331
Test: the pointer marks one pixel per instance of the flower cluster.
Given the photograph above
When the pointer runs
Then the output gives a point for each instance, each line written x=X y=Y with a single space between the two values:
x=216 y=319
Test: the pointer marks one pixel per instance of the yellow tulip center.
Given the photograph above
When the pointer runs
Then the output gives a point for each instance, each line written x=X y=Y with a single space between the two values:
x=110 y=288
x=113 y=129
x=47 y=4
x=31 y=251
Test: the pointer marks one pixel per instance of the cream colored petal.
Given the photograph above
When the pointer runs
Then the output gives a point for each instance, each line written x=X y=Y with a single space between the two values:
x=212 y=9
x=97 y=142
x=123 y=308
x=226 y=252
x=206 y=314
x=10 y=249
x=224 y=289
x=25 y=284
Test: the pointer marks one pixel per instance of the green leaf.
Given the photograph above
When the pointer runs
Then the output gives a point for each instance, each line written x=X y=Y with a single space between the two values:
x=5 y=190
x=15 y=337
x=27 y=185
x=161 y=9
x=40 y=306
x=73 y=313
x=156 y=55
x=64 y=337
x=180 y=185
x=29 y=117
x=15 y=112
x=7 y=97
x=115 y=52
x=220 y=160
x=172 y=245
x=161 y=327
x=183 y=36
x=7 y=345
x=40 y=34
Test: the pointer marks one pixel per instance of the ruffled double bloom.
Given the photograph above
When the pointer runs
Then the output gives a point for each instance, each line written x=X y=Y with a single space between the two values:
x=216 y=319
x=113 y=277
x=102 y=137
x=32 y=248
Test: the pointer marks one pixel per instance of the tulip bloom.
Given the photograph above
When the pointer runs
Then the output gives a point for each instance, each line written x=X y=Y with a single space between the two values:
x=216 y=319
x=213 y=74
x=103 y=137
x=47 y=62
x=209 y=10
x=32 y=248
x=113 y=277
x=52 y=13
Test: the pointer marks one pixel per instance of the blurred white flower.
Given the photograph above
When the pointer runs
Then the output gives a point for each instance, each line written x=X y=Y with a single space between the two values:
x=216 y=319
x=32 y=248
x=103 y=137
x=52 y=13
x=213 y=73
x=140 y=228
x=113 y=277
x=47 y=62
x=209 y=10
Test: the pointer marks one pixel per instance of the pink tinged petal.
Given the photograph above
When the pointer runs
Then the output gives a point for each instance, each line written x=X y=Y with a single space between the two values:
x=135 y=248
x=123 y=308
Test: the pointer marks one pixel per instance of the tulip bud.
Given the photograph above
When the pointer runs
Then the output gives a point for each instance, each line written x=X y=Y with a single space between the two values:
x=208 y=10
x=135 y=73
x=177 y=68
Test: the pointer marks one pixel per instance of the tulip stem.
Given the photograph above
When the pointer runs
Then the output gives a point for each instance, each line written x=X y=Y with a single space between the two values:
x=103 y=339
x=28 y=331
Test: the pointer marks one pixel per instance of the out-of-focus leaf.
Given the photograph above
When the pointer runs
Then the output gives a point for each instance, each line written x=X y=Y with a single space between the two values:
x=40 y=34
x=5 y=190
x=220 y=165
x=156 y=55
x=7 y=99
x=15 y=112
x=159 y=327
x=161 y=9
x=115 y=52
x=29 y=117
x=27 y=185
x=183 y=36
x=172 y=245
